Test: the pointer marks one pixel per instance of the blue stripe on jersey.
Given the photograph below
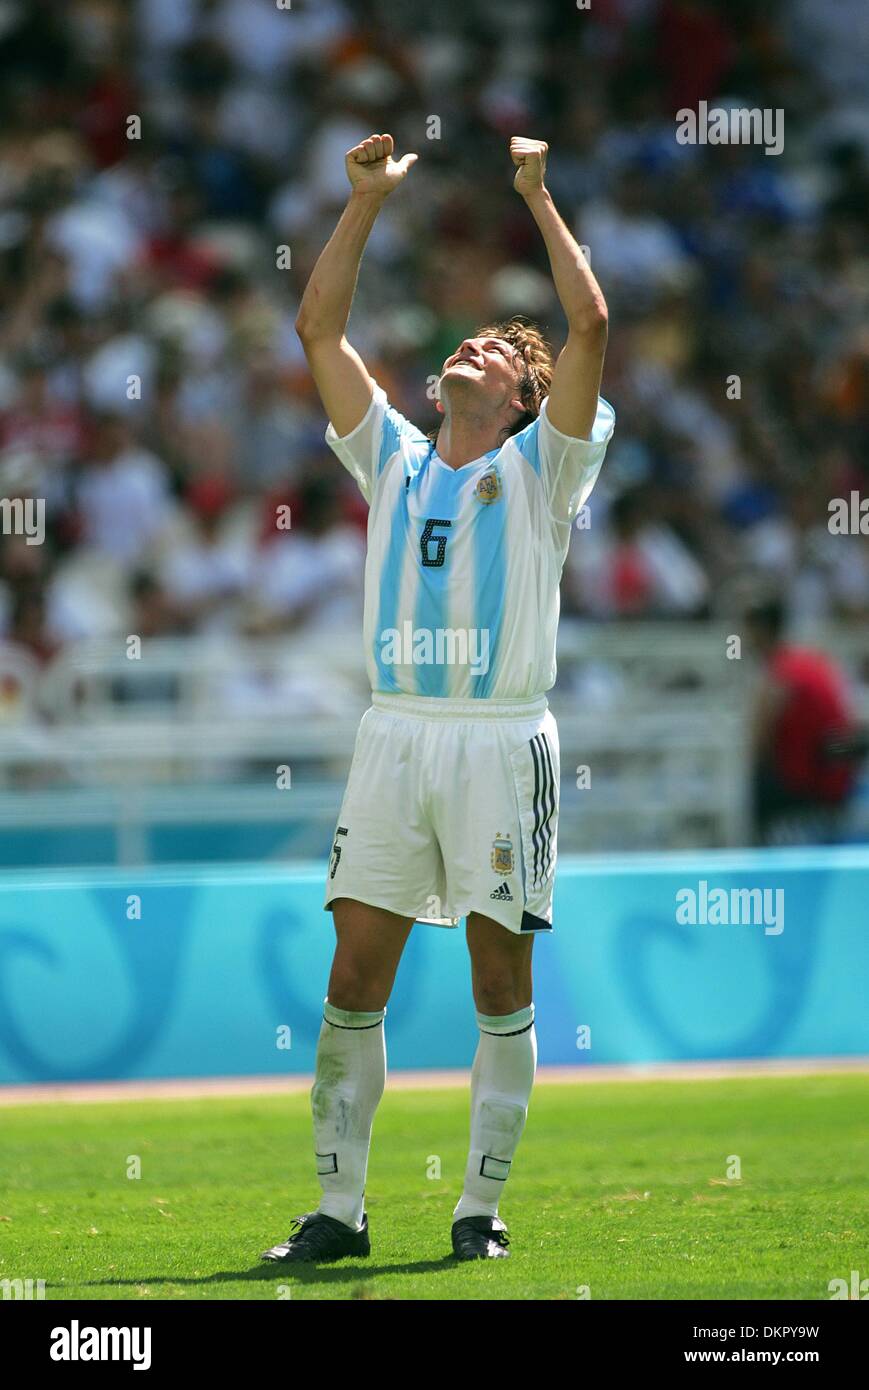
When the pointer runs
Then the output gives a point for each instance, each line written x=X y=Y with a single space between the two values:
x=390 y=587
x=490 y=582
x=528 y=441
x=432 y=605
x=394 y=426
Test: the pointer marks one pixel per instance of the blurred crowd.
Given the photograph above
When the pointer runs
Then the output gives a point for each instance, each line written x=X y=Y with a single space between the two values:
x=169 y=170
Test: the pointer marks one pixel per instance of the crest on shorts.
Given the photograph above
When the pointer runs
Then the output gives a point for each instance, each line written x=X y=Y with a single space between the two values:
x=488 y=489
x=502 y=854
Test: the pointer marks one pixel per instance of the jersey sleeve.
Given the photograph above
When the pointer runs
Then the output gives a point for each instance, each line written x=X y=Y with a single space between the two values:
x=568 y=468
x=366 y=450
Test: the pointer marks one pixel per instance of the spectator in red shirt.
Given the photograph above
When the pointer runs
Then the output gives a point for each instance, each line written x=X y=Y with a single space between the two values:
x=802 y=709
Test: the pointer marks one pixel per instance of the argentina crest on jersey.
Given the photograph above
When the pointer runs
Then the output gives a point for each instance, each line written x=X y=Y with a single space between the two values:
x=488 y=488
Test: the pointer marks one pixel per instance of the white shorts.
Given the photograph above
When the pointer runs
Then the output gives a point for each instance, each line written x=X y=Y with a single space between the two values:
x=451 y=807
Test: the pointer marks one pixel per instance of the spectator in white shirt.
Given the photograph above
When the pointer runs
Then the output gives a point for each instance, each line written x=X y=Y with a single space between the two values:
x=206 y=575
x=122 y=495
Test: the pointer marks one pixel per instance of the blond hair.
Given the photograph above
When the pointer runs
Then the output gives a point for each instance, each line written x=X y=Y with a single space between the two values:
x=535 y=362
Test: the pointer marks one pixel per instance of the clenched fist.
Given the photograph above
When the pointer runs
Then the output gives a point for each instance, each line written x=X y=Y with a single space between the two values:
x=529 y=156
x=371 y=168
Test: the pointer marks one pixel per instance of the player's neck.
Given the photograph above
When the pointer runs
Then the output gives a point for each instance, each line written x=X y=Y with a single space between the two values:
x=463 y=438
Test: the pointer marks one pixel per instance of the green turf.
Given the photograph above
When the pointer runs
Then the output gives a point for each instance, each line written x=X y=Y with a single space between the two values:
x=621 y=1187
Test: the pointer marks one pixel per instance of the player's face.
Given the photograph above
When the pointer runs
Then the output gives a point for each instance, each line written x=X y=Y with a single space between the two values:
x=490 y=365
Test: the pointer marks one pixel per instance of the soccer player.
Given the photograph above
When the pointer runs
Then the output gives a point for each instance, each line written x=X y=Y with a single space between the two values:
x=451 y=806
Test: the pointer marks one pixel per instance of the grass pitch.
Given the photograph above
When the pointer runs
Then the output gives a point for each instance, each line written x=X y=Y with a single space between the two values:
x=619 y=1188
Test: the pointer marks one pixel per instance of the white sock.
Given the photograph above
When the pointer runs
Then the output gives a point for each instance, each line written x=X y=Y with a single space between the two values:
x=348 y=1082
x=501 y=1081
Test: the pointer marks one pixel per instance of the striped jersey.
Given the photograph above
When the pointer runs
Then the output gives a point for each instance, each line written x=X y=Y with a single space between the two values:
x=463 y=567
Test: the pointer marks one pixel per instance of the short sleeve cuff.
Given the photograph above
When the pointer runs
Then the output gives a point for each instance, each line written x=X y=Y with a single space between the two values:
x=601 y=431
x=378 y=398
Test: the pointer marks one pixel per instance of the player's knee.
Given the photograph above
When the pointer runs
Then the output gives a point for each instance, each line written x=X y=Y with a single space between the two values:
x=497 y=991
x=353 y=987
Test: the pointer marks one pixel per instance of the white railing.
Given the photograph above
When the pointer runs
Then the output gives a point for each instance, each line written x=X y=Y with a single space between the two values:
x=195 y=730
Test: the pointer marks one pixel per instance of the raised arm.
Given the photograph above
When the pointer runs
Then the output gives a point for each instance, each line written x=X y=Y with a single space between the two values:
x=343 y=383
x=576 y=379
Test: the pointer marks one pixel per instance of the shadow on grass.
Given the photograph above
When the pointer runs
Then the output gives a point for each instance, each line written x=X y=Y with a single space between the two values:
x=355 y=1273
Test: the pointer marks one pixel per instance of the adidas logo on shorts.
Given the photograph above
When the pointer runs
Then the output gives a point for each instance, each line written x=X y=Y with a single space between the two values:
x=502 y=894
